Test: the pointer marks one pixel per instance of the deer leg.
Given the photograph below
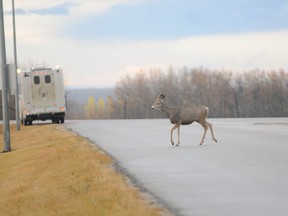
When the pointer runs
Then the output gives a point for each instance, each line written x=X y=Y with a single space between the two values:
x=211 y=129
x=205 y=131
x=178 y=133
x=171 y=133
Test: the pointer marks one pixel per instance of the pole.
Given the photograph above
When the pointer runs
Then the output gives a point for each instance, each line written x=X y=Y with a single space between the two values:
x=17 y=112
x=125 y=109
x=6 y=127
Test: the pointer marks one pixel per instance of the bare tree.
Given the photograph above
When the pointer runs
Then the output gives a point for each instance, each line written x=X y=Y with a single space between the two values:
x=228 y=94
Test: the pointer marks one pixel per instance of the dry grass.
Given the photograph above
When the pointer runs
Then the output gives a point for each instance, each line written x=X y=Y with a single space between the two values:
x=51 y=171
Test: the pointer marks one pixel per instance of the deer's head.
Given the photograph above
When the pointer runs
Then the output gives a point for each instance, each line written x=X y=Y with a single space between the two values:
x=158 y=104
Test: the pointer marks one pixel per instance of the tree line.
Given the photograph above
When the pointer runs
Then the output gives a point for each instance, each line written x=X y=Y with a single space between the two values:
x=255 y=93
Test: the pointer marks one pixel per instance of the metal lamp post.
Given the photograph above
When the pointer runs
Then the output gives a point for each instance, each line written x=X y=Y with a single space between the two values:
x=6 y=128
x=17 y=112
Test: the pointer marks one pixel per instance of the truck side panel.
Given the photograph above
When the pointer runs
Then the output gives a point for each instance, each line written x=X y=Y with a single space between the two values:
x=59 y=89
x=26 y=101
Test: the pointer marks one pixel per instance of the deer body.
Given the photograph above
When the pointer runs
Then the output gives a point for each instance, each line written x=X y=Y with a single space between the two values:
x=184 y=116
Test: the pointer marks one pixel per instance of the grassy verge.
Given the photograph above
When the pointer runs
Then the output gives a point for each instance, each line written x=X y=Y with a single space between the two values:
x=51 y=171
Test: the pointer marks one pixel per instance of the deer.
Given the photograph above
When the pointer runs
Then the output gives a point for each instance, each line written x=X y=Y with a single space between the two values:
x=184 y=116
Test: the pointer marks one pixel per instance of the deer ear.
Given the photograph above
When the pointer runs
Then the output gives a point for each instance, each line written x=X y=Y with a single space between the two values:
x=162 y=96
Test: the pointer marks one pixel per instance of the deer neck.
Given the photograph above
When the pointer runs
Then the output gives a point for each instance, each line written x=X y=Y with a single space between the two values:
x=166 y=109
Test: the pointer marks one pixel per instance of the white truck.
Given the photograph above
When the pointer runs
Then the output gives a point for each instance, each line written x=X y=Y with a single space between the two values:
x=42 y=95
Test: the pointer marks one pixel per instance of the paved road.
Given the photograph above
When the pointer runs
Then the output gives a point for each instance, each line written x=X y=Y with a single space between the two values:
x=245 y=173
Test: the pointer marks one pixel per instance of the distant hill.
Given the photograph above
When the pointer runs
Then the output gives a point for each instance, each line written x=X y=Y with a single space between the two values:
x=80 y=96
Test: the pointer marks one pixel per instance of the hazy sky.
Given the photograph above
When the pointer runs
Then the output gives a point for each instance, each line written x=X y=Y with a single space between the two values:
x=97 y=42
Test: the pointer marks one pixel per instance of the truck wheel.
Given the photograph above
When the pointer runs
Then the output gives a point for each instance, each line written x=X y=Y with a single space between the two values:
x=62 y=120
x=25 y=122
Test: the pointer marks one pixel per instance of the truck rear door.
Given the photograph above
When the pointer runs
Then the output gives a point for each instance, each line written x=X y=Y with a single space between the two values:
x=43 y=91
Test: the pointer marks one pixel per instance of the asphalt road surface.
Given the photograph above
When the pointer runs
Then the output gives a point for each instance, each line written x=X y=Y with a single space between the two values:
x=245 y=173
